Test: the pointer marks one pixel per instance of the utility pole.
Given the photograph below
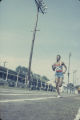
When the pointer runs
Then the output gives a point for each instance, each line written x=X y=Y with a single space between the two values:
x=74 y=77
x=5 y=63
x=69 y=70
x=41 y=7
x=69 y=67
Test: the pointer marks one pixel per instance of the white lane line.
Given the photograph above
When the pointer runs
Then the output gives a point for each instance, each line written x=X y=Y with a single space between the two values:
x=21 y=94
x=21 y=100
x=78 y=115
x=13 y=94
x=17 y=94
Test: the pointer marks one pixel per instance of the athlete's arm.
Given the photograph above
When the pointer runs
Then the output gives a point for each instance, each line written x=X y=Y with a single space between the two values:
x=53 y=67
x=64 y=67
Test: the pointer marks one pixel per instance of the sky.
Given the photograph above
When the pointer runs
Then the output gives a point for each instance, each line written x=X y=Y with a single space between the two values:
x=59 y=34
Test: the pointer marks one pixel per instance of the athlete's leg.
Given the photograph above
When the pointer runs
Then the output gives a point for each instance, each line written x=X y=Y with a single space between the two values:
x=60 y=81
x=57 y=85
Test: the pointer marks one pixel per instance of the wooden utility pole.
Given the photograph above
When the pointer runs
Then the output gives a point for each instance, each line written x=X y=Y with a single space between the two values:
x=40 y=8
x=69 y=71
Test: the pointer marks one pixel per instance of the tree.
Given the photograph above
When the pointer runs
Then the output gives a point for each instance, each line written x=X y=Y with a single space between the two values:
x=70 y=85
x=22 y=70
x=45 y=78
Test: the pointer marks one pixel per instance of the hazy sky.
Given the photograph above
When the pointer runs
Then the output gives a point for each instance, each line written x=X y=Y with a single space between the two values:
x=59 y=34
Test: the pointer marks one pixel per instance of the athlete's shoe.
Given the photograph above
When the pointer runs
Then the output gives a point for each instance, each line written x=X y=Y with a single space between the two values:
x=58 y=96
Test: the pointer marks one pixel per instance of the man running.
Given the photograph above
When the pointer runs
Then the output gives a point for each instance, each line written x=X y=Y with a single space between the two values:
x=59 y=74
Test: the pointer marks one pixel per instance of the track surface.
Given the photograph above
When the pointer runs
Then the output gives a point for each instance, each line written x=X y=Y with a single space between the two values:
x=37 y=105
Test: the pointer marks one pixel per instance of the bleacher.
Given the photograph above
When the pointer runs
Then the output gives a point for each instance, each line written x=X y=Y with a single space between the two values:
x=13 y=79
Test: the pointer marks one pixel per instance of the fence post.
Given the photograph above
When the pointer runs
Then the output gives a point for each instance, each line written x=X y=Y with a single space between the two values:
x=7 y=75
x=41 y=86
x=17 y=80
x=26 y=78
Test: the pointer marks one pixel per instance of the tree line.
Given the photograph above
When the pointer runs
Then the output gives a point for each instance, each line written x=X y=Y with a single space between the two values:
x=24 y=70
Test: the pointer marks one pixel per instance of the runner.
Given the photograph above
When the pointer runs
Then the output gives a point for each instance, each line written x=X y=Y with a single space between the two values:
x=59 y=74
